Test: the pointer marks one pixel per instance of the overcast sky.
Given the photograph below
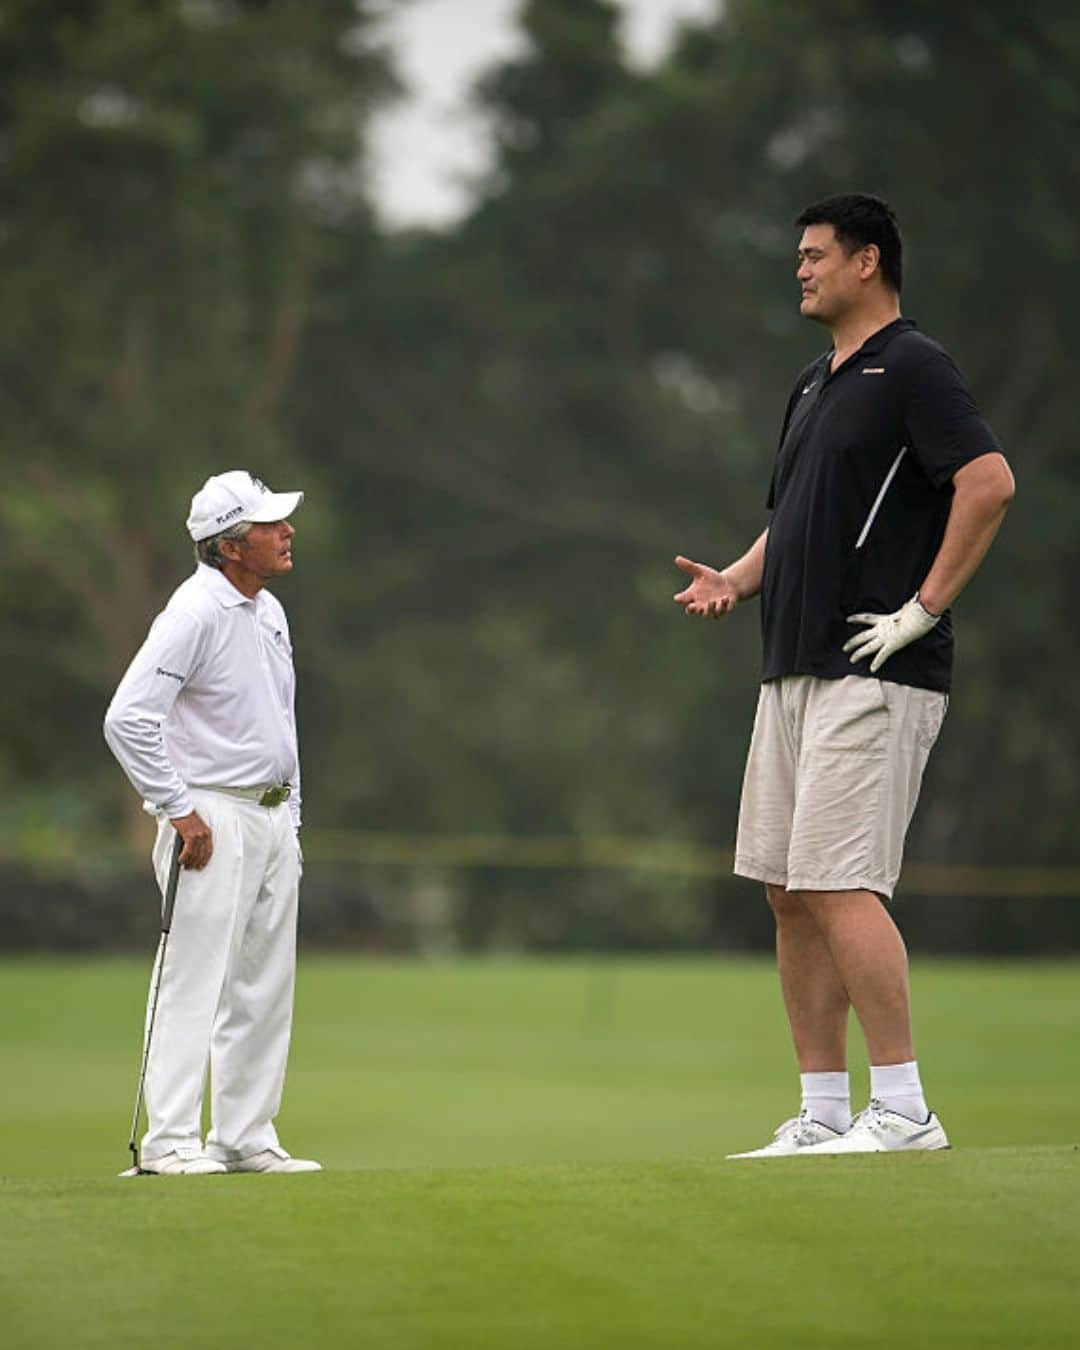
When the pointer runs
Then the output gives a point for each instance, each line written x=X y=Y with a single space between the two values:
x=423 y=150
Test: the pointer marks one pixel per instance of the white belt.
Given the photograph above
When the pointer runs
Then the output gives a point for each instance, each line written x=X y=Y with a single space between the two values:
x=273 y=795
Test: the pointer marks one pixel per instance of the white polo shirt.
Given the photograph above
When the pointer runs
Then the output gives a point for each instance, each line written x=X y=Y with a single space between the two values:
x=209 y=699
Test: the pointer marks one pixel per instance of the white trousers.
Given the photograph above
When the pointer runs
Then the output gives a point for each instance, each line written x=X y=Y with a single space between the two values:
x=226 y=994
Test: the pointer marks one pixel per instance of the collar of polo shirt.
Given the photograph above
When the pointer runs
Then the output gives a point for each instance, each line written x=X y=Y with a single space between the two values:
x=221 y=588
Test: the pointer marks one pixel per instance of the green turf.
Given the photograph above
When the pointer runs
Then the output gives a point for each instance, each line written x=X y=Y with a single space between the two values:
x=531 y=1155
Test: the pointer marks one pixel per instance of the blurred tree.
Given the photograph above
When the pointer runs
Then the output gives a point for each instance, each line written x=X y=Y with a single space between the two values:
x=511 y=426
x=170 y=170
x=588 y=374
x=522 y=443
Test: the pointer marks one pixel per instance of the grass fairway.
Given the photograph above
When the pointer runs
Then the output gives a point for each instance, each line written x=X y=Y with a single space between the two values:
x=531 y=1155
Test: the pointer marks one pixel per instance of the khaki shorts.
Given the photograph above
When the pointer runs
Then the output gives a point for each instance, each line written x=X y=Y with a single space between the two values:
x=831 y=781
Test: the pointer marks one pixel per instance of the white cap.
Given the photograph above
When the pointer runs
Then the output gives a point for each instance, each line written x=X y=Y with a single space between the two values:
x=230 y=498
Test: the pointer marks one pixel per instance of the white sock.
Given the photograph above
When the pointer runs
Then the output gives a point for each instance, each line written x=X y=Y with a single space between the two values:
x=827 y=1097
x=898 y=1088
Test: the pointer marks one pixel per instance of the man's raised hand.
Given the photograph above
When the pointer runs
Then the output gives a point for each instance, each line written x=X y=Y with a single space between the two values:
x=710 y=594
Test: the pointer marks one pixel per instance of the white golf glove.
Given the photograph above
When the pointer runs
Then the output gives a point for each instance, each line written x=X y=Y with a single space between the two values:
x=887 y=633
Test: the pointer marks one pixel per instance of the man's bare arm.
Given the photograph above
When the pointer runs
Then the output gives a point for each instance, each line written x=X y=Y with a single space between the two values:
x=982 y=491
x=712 y=594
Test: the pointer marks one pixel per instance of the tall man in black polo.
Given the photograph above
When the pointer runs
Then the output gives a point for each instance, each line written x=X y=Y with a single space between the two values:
x=887 y=491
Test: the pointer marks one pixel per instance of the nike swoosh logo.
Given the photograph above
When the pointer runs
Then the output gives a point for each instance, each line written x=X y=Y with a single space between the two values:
x=808 y=387
x=922 y=1134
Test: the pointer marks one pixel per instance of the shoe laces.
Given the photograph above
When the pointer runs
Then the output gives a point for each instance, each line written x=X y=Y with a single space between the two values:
x=800 y=1129
x=872 y=1118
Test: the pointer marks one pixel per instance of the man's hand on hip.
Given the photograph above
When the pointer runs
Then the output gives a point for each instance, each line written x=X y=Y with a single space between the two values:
x=198 y=840
x=887 y=633
x=710 y=594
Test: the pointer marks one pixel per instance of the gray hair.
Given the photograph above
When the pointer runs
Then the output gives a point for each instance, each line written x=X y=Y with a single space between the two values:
x=208 y=551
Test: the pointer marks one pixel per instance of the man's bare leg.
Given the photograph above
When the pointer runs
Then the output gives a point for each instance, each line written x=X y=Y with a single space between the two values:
x=817 y=1007
x=871 y=963
x=814 y=994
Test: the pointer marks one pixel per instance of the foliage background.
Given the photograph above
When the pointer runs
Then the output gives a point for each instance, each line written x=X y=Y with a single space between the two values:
x=506 y=429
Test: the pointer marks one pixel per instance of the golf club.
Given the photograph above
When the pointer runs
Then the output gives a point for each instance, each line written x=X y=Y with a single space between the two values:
x=166 y=923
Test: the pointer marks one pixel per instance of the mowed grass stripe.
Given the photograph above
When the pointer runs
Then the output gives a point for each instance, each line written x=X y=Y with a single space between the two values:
x=959 y=1249
x=530 y=1154
x=399 y=1064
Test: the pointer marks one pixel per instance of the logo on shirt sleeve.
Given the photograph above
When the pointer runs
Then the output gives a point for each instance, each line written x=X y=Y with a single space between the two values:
x=169 y=674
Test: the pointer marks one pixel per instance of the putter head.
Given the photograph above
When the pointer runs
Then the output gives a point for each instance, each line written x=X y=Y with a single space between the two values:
x=135 y=1172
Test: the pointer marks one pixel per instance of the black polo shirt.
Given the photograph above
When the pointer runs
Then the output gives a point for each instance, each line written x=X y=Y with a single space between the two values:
x=860 y=497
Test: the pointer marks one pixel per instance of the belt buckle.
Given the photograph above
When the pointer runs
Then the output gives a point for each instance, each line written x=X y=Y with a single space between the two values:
x=274 y=796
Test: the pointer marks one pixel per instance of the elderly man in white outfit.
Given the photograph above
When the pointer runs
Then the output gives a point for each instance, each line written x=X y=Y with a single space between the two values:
x=203 y=725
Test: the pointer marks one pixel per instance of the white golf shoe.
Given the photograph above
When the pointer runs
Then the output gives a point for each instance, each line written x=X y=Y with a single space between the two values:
x=877 y=1130
x=799 y=1135
x=272 y=1160
x=185 y=1161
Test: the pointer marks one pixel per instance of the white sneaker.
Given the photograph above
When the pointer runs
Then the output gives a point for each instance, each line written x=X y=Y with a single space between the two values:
x=798 y=1135
x=877 y=1130
x=272 y=1160
x=187 y=1161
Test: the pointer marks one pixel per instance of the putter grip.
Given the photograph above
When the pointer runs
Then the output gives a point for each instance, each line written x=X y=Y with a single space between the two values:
x=170 y=886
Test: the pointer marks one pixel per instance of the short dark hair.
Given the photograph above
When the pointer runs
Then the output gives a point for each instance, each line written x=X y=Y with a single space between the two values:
x=860 y=219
